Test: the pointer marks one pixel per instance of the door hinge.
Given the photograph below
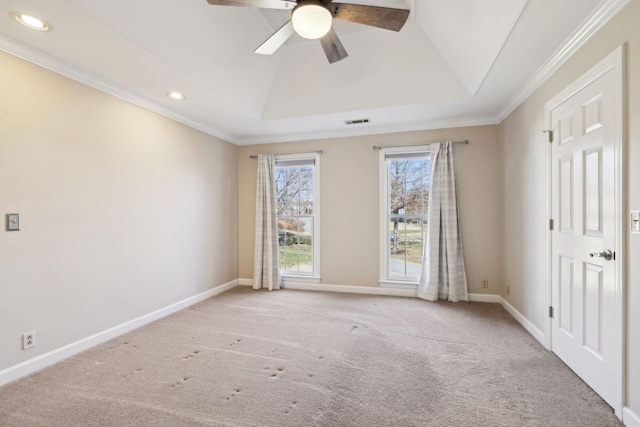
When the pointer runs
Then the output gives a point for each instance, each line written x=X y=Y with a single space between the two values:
x=551 y=312
x=550 y=224
x=549 y=135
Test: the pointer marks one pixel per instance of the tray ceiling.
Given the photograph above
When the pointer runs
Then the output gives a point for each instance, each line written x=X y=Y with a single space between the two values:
x=456 y=62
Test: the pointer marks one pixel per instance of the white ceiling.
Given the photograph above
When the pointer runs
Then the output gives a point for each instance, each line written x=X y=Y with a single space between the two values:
x=455 y=63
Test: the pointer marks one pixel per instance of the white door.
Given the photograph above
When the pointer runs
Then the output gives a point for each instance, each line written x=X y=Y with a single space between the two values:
x=586 y=326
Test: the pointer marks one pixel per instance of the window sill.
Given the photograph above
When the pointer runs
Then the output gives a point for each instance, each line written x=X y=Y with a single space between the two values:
x=300 y=279
x=397 y=284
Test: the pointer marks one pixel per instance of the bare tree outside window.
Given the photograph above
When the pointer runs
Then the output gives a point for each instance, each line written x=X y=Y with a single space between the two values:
x=408 y=190
x=295 y=209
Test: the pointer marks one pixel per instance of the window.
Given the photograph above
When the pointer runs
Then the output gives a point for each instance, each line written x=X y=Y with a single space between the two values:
x=297 y=181
x=404 y=189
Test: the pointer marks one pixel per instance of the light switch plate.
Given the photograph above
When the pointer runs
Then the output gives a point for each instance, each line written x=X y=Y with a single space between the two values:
x=635 y=222
x=13 y=222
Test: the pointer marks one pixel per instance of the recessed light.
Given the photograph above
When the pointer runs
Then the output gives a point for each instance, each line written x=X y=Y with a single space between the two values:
x=176 y=95
x=31 y=21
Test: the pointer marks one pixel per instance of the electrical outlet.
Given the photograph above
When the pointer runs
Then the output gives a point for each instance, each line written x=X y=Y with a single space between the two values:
x=508 y=290
x=485 y=283
x=28 y=340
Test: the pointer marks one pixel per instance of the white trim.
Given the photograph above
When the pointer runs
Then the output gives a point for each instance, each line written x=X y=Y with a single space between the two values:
x=312 y=155
x=630 y=418
x=488 y=298
x=39 y=362
x=526 y=323
x=370 y=290
x=367 y=130
x=58 y=66
x=300 y=279
x=383 y=236
x=548 y=295
x=383 y=191
x=42 y=59
x=614 y=62
x=592 y=25
x=397 y=284
x=314 y=277
x=245 y=282
x=412 y=286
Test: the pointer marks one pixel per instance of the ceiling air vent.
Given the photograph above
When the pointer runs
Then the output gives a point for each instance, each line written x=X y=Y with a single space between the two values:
x=356 y=122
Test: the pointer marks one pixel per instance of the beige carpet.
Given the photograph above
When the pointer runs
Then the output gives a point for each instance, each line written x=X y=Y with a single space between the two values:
x=291 y=358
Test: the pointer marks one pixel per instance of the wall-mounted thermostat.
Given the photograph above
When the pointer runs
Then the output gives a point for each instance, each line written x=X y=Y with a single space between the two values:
x=13 y=222
x=635 y=222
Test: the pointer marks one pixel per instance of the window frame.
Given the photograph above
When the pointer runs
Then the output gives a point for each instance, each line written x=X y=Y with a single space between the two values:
x=314 y=277
x=384 y=241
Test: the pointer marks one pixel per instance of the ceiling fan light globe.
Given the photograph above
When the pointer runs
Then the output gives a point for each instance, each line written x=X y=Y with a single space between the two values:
x=311 y=21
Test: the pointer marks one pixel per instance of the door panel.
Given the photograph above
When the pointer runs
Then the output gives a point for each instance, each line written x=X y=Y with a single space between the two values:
x=584 y=331
x=593 y=191
x=566 y=194
x=565 y=314
x=592 y=326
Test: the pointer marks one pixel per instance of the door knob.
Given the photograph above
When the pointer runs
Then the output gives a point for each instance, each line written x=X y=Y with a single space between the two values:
x=606 y=254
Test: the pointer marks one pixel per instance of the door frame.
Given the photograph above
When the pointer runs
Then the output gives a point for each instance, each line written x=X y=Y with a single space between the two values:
x=614 y=62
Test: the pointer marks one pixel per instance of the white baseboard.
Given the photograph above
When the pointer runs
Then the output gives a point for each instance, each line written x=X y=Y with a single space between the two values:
x=39 y=362
x=484 y=298
x=526 y=323
x=368 y=290
x=630 y=418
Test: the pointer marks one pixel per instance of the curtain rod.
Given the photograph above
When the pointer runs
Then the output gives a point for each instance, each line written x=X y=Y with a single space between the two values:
x=288 y=154
x=376 y=148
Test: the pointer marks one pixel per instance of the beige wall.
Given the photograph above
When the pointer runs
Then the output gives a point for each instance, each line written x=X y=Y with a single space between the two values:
x=523 y=152
x=350 y=203
x=123 y=211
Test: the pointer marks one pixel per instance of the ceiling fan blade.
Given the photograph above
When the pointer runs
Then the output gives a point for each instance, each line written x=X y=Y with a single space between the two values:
x=381 y=17
x=333 y=47
x=265 y=4
x=276 y=40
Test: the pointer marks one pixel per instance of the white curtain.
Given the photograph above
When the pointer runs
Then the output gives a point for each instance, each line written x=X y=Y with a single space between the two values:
x=443 y=275
x=266 y=256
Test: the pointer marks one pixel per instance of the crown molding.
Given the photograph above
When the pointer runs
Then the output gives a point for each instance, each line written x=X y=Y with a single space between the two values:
x=51 y=63
x=363 y=130
x=607 y=10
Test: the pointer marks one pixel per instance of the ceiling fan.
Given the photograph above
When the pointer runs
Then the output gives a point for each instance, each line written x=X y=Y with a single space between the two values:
x=312 y=19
